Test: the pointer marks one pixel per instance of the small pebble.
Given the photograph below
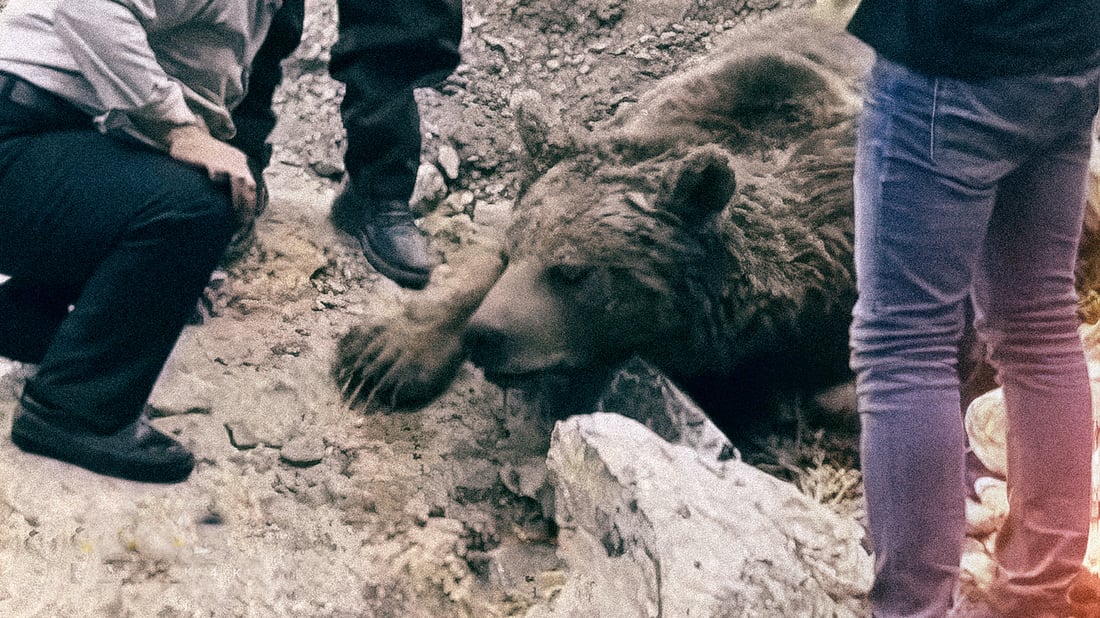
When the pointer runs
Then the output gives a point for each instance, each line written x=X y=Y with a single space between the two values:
x=241 y=437
x=303 y=452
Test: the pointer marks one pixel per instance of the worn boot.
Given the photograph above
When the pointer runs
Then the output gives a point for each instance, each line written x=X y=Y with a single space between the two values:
x=388 y=235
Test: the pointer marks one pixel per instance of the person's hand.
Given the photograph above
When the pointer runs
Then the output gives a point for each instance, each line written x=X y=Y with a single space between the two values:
x=192 y=144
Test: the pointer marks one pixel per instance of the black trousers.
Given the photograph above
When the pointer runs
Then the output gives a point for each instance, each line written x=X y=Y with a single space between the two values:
x=385 y=49
x=123 y=234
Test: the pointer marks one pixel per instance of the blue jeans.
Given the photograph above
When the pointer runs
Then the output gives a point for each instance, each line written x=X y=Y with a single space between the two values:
x=971 y=190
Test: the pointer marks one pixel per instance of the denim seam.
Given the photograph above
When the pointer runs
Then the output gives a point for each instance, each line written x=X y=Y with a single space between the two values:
x=932 y=122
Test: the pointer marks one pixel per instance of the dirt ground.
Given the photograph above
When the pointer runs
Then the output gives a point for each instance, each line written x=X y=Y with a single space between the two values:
x=300 y=506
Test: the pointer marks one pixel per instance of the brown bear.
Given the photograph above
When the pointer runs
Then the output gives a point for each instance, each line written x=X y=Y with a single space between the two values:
x=707 y=229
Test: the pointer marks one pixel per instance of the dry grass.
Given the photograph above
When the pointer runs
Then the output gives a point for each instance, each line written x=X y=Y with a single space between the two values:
x=821 y=465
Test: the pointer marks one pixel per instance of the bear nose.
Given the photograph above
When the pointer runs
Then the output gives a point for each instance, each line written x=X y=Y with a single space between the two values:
x=484 y=346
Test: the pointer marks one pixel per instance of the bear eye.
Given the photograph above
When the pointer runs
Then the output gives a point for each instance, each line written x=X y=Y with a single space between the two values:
x=568 y=273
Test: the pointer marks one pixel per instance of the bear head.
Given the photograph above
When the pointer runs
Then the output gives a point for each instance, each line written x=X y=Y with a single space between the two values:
x=608 y=260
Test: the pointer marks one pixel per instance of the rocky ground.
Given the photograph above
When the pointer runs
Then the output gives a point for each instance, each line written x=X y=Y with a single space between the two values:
x=300 y=506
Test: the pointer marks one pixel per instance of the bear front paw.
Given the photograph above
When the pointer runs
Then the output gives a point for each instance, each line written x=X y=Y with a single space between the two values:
x=395 y=364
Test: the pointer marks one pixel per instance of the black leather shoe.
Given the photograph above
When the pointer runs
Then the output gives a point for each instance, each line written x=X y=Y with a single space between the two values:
x=137 y=452
x=388 y=235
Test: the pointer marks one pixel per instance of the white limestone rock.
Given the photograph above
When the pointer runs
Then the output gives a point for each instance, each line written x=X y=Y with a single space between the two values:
x=649 y=528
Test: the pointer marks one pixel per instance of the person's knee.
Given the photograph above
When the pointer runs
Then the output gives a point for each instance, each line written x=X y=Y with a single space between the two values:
x=188 y=208
x=1018 y=343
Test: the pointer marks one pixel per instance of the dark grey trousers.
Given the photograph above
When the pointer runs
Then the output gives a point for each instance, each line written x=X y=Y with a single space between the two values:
x=123 y=234
x=385 y=49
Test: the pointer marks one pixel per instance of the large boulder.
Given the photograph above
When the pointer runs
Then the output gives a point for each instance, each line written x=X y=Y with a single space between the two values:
x=650 y=528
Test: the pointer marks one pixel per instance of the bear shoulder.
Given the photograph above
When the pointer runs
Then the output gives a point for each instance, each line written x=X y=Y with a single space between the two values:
x=776 y=78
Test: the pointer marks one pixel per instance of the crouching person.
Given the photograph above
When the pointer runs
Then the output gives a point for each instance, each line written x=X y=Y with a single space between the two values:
x=118 y=197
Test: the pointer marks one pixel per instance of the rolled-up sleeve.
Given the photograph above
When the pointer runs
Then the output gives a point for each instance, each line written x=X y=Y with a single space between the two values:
x=110 y=43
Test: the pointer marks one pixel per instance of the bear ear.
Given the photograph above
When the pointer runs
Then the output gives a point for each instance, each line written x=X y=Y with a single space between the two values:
x=542 y=132
x=699 y=186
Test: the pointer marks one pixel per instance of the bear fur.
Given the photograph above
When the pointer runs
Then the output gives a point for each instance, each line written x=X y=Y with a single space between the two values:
x=707 y=229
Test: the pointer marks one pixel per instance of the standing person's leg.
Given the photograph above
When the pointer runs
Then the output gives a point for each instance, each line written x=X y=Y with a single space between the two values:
x=138 y=234
x=254 y=117
x=917 y=237
x=1027 y=304
x=386 y=48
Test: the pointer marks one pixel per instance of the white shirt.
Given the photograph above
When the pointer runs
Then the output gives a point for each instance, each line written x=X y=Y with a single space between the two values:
x=168 y=62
